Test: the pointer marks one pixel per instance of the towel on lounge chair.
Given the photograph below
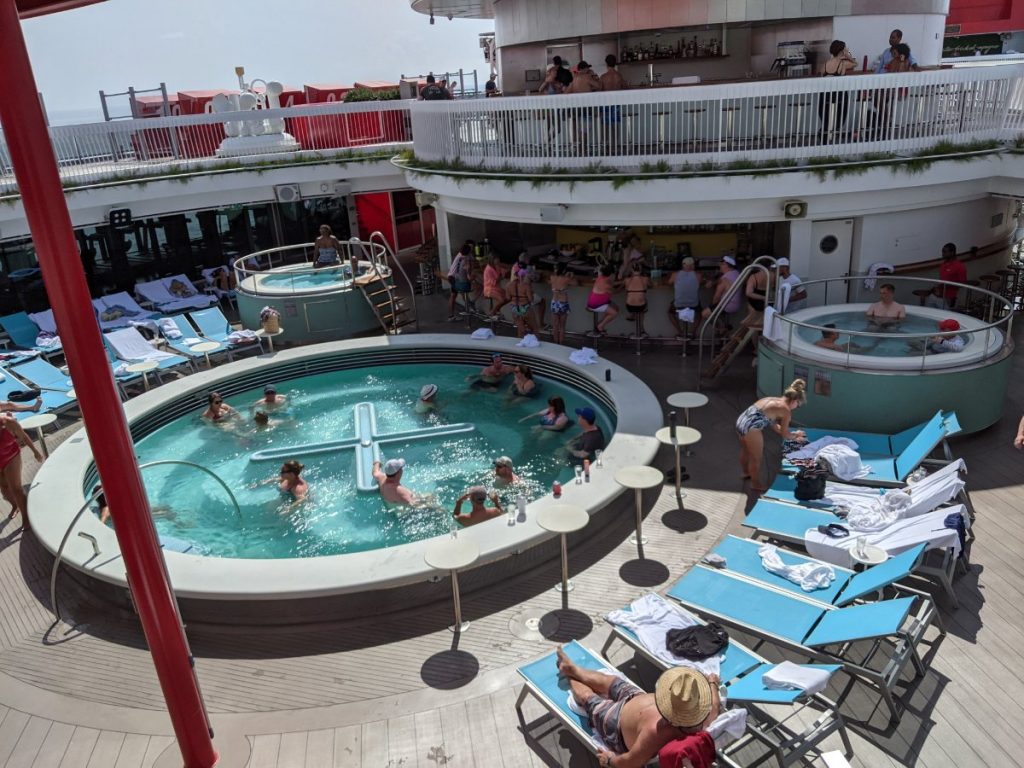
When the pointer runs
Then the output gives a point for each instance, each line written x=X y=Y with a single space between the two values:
x=242 y=337
x=47 y=340
x=810 y=576
x=45 y=320
x=810 y=450
x=788 y=676
x=585 y=356
x=650 y=619
x=844 y=462
x=879 y=513
x=129 y=345
x=169 y=329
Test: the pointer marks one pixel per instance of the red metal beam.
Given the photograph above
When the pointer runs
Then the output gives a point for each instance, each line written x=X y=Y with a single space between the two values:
x=28 y=9
x=35 y=168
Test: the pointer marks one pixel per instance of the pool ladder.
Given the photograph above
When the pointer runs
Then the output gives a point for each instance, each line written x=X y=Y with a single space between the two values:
x=380 y=290
x=54 y=605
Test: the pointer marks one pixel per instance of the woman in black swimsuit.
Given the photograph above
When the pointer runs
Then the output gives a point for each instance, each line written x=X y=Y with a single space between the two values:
x=842 y=61
x=637 y=285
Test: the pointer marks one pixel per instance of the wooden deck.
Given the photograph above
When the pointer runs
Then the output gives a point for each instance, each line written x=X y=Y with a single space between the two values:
x=396 y=692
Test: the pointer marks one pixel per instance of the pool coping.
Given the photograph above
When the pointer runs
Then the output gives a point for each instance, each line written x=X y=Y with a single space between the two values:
x=57 y=488
x=909 y=364
x=252 y=285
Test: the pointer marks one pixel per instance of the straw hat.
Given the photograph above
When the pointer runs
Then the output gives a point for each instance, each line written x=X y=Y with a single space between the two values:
x=683 y=697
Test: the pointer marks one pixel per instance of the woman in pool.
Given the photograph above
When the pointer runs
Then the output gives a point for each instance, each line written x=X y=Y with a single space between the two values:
x=560 y=283
x=767 y=413
x=524 y=384
x=600 y=299
x=327 y=247
x=553 y=418
x=11 y=435
x=217 y=411
x=291 y=482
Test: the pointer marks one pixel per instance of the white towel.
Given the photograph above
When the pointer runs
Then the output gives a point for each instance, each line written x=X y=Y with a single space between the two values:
x=788 y=676
x=242 y=337
x=585 y=356
x=129 y=345
x=169 y=328
x=686 y=315
x=879 y=513
x=810 y=450
x=45 y=320
x=869 y=281
x=844 y=463
x=650 y=618
x=482 y=334
x=771 y=328
x=809 y=576
x=47 y=341
x=728 y=727
x=529 y=340
x=192 y=341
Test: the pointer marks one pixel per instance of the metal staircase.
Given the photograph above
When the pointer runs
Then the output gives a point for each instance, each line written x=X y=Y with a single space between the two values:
x=392 y=310
x=746 y=333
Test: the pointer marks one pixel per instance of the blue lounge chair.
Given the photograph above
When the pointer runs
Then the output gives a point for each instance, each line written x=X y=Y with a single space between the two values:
x=132 y=338
x=48 y=379
x=872 y=442
x=543 y=682
x=214 y=326
x=818 y=631
x=24 y=332
x=741 y=671
x=181 y=346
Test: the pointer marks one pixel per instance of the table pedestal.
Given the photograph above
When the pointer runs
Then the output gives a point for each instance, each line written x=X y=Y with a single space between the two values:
x=683 y=436
x=566 y=585
x=638 y=537
x=459 y=625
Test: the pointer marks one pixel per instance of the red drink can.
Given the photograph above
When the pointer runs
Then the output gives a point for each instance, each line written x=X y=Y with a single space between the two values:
x=556 y=489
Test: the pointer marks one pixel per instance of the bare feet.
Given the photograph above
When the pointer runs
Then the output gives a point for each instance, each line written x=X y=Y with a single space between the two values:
x=565 y=667
x=38 y=404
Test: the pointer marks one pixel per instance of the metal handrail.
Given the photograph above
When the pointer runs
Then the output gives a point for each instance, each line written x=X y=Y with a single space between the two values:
x=765 y=264
x=405 y=275
x=54 y=605
x=345 y=255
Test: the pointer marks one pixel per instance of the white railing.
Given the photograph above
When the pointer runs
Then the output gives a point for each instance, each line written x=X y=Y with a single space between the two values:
x=759 y=121
x=96 y=152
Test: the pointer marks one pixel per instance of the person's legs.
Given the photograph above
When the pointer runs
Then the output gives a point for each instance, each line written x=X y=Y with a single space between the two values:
x=584 y=682
x=744 y=456
x=12 y=478
x=7 y=405
x=755 y=449
x=673 y=317
x=609 y=314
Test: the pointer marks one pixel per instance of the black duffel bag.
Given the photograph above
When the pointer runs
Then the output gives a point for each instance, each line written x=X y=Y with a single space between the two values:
x=810 y=483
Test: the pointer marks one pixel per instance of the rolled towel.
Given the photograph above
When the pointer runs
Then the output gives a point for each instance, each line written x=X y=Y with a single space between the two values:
x=788 y=676
x=585 y=356
x=529 y=340
x=482 y=334
x=810 y=576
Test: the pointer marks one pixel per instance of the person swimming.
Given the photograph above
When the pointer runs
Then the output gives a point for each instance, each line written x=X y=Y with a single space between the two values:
x=427 y=401
x=291 y=483
x=490 y=376
x=217 y=411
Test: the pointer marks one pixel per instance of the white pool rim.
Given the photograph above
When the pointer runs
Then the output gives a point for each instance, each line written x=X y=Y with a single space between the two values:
x=57 y=489
x=975 y=350
x=256 y=283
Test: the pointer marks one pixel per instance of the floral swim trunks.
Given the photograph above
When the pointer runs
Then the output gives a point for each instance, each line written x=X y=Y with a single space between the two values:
x=559 y=307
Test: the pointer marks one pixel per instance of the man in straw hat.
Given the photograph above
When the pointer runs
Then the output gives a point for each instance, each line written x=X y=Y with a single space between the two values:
x=633 y=724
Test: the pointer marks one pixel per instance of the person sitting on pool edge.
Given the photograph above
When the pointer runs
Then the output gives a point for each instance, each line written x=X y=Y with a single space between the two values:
x=270 y=399
x=389 y=479
x=886 y=313
x=634 y=724
x=591 y=439
x=427 y=402
x=479 y=512
x=490 y=376
x=947 y=341
x=504 y=474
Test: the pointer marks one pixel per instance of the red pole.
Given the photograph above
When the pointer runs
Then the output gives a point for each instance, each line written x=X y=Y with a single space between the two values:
x=35 y=168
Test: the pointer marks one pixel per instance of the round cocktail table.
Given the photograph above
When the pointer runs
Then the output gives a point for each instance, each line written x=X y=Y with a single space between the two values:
x=205 y=347
x=686 y=401
x=144 y=368
x=270 y=338
x=563 y=519
x=639 y=478
x=684 y=436
x=37 y=422
x=451 y=555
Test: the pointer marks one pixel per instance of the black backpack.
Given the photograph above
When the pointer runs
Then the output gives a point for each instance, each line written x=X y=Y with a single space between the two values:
x=697 y=643
x=433 y=92
x=810 y=484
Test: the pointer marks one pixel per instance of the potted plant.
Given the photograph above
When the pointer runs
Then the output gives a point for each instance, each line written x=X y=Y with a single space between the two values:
x=270 y=319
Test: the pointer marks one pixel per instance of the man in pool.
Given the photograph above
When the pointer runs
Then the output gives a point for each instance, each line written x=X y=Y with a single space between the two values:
x=427 y=402
x=389 y=479
x=829 y=338
x=590 y=439
x=479 y=511
x=490 y=376
x=503 y=472
x=270 y=399
x=633 y=724
x=886 y=313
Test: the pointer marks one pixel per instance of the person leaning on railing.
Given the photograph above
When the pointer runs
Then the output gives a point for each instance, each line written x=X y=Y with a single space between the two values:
x=836 y=102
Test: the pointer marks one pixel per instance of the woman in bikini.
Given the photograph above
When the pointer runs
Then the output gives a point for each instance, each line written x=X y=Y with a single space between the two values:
x=600 y=299
x=217 y=411
x=326 y=248
x=520 y=297
x=524 y=384
x=560 y=283
x=553 y=418
x=767 y=413
x=637 y=285
x=11 y=435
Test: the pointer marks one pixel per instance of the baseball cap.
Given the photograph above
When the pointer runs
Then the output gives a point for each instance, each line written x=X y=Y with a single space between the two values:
x=393 y=466
x=783 y=262
x=949 y=324
x=270 y=389
x=729 y=260
x=503 y=461
x=495 y=355
x=477 y=493
x=428 y=391
x=587 y=413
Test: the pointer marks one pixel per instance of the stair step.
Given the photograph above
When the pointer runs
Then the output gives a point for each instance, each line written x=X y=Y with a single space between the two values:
x=371 y=294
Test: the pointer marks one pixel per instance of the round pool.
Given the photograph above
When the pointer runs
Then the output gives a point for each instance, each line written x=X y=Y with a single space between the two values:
x=447 y=451
x=343 y=541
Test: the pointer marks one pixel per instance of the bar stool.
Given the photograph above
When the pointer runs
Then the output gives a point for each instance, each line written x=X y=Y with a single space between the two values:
x=639 y=478
x=638 y=326
x=727 y=139
x=922 y=294
x=762 y=136
x=595 y=334
x=989 y=281
x=1005 y=281
x=694 y=114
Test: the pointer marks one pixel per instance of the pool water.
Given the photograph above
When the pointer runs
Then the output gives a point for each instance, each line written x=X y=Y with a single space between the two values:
x=336 y=518
x=307 y=280
x=890 y=345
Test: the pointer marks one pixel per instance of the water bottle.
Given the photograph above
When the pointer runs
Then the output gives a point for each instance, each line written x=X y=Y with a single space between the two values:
x=454 y=529
x=521 y=507
x=579 y=474
x=556 y=489
x=597 y=457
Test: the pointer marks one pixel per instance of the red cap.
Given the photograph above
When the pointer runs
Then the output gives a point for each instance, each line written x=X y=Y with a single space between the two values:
x=949 y=324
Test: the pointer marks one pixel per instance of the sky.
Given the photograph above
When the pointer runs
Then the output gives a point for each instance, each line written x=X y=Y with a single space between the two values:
x=196 y=44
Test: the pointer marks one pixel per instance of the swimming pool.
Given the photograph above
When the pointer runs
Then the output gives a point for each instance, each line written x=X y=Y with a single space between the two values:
x=400 y=569
x=337 y=518
x=889 y=345
x=306 y=280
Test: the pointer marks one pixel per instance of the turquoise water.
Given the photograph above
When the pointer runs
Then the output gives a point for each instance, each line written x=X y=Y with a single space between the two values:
x=336 y=518
x=887 y=344
x=304 y=281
